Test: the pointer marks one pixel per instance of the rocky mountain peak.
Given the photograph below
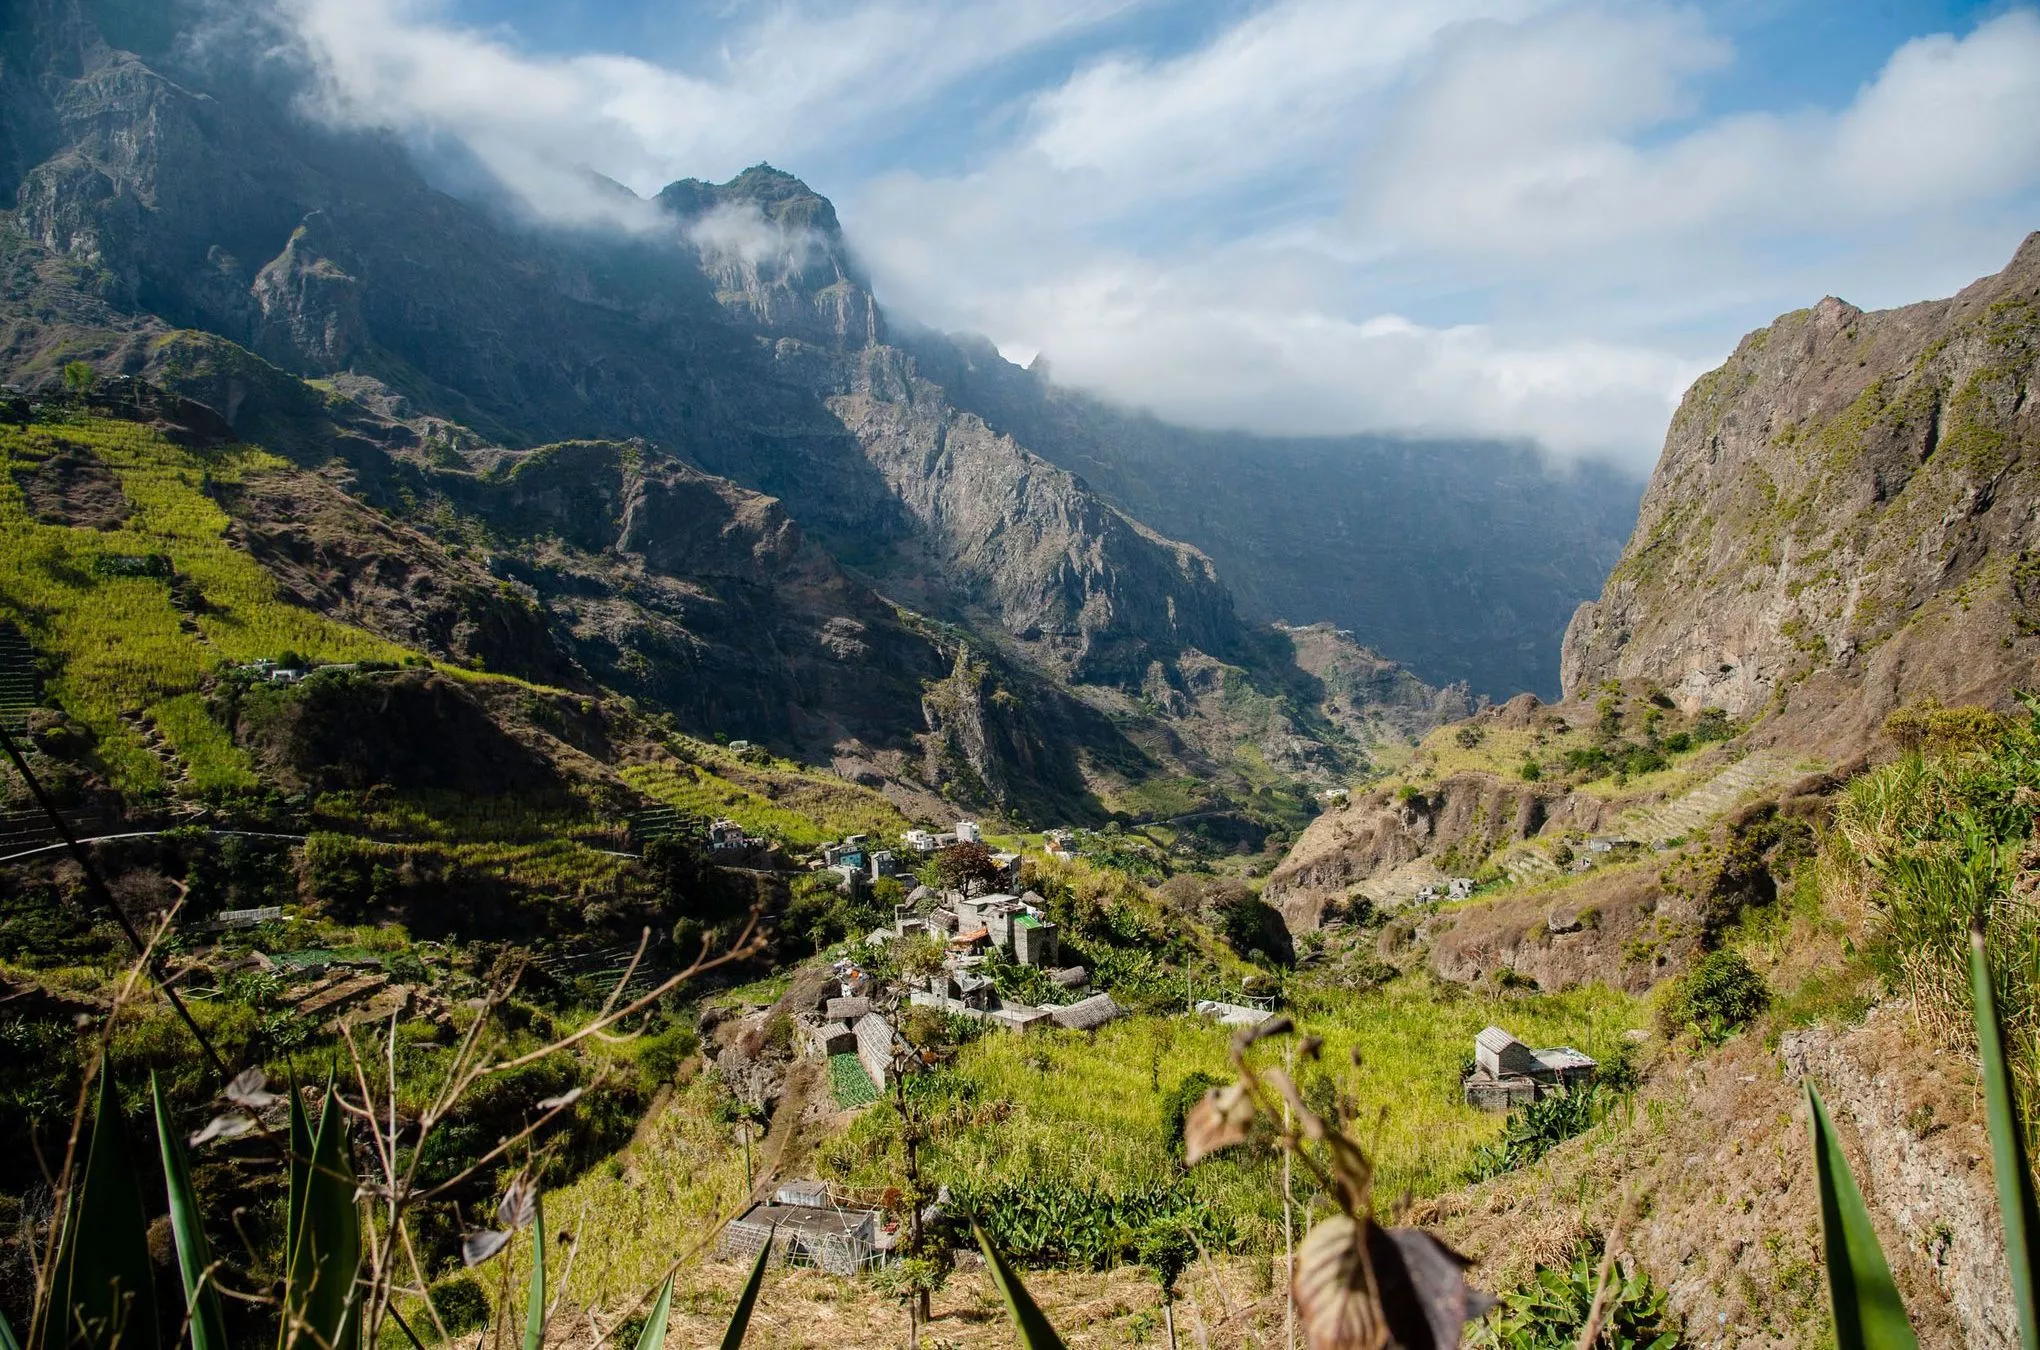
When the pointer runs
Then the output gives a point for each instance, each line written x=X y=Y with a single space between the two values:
x=773 y=250
x=1843 y=520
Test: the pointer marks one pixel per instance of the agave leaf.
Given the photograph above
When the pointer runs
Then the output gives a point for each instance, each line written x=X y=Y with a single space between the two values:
x=299 y=1164
x=8 y=1340
x=534 y=1317
x=653 y=1337
x=1868 y=1312
x=740 y=1320
x=327 y=1254
x=105 y=1279
x=2007 y=1145
x=201 y=1300
x=1035 y=1332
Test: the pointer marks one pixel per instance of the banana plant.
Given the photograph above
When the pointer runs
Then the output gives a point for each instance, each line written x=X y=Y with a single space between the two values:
x=1868 y=1312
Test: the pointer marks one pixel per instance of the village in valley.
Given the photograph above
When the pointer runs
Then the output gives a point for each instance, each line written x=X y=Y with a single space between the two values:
x=938 y=954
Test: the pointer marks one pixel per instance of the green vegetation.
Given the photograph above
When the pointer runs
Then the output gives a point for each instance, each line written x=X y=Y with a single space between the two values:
x=1931 y=841
x=1719 y=996
x=144 y=640
x=774 y=799
x=1550 y=1311
x=1539 y=1127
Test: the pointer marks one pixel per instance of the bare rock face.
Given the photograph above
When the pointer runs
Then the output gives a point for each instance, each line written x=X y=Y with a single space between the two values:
x=1842 y=520
x=1099 y=593
x=310 y=307
x=773 y=251
x=1468 y=816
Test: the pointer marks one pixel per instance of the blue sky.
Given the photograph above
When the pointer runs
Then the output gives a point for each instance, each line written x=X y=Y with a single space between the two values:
x=1526 y=218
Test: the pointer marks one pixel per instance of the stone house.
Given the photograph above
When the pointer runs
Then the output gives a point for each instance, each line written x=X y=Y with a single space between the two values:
x=1507 y=1073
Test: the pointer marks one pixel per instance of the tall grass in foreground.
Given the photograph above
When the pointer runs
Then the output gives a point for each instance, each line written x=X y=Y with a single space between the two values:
x=356 y=1182
x=1930 y=842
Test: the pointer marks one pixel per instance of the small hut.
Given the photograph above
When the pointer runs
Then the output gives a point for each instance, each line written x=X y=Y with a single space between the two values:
x=1507 y=1073
x=1087 y=1014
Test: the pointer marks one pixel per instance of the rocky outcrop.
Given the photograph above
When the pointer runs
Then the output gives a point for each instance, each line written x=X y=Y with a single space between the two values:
x=1460 y=560
x=774 y=253
x=310 y=309
x=1098 y=593
x=1457 y=825
x=1843 y=520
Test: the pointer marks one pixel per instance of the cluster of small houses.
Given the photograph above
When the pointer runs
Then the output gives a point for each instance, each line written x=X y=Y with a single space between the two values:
x=809 y=1225
x=859 y=862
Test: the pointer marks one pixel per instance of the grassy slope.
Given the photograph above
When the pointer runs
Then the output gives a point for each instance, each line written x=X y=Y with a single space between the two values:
x=119 y=641
x=774 y=798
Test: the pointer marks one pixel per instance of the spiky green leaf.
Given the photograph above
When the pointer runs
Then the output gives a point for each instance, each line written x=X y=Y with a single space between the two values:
x=740 y=1320
x=194 y=1255
x=298 y=1167
x=1868 y=1312
x=108 y=1288
x=653 y=1337
x=8 y=1340
x=1035 y=1332
x=534 y=1316
x=2008 y=1155
x=326 y=1257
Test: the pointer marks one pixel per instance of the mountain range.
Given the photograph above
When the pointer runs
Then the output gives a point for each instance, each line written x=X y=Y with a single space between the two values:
x=729 y=482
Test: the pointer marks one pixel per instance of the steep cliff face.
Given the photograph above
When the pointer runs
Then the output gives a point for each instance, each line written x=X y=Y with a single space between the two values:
x=1462 y=560
x=1843 y=520
x=1096 y=594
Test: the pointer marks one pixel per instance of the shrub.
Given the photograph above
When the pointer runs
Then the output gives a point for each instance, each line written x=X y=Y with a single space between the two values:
x=461 y=1303
x=1717 y=997
x=1536 y=1129
x=1176 y=1106
x=1530 y=771
x=1549 y=1311
x=1712 y=725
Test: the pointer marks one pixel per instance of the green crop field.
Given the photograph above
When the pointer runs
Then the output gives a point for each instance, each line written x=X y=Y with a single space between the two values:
x=1087 y=1111
x=92 y=600
x=775 y=799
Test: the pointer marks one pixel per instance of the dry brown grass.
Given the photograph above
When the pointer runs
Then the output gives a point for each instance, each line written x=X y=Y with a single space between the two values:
x=808 y=1310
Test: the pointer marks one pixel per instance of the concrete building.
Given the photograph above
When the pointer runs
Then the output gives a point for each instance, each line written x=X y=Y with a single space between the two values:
x=806 y=1227
x=1507 y=1073
x=967 y=832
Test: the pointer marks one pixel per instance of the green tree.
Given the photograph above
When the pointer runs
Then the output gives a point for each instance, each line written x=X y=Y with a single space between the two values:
x=967 y=867
x=80 y=378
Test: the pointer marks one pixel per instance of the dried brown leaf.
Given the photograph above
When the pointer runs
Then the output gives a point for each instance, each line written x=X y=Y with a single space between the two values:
x=1278 y=1025
x=249 y=1089
x=519 y=1204
x=1220 y=1119
x=1334 y=1287
x=229 y=1126
x=1423 y=1288
x=478 y=1247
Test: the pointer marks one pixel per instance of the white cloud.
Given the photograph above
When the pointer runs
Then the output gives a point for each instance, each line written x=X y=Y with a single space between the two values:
x=1507 y=217
x=1543 y=170
x=803 y=78
x=1531 y=140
